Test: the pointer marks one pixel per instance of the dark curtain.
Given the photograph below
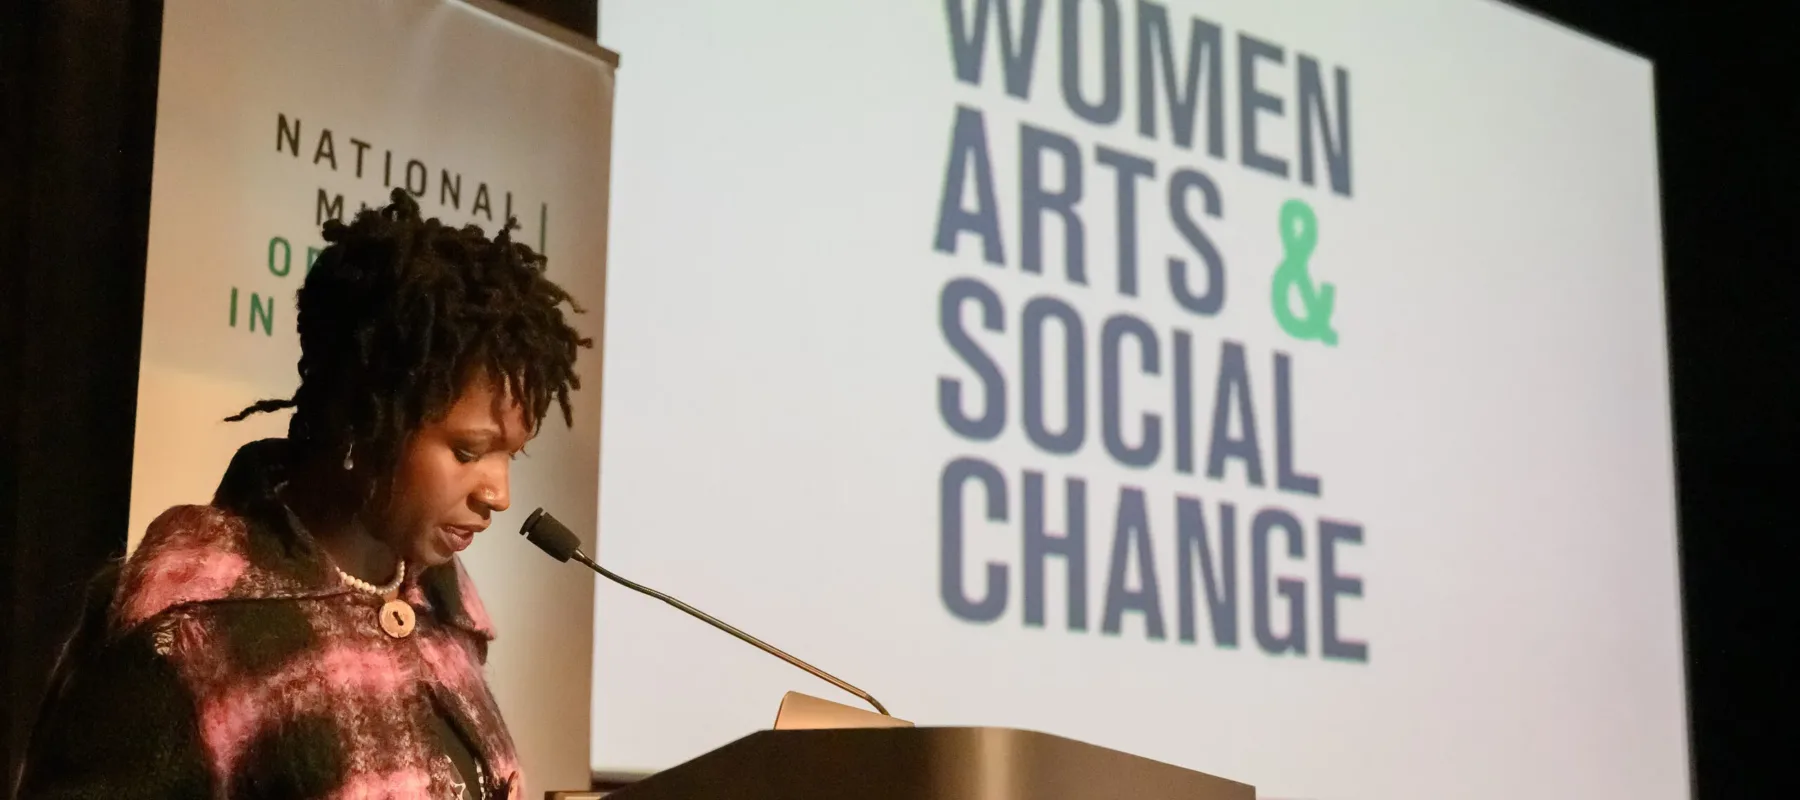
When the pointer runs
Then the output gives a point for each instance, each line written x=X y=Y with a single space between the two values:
x=80 y=106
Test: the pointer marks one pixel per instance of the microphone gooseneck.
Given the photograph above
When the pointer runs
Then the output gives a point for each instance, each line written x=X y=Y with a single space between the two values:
x=562 y=544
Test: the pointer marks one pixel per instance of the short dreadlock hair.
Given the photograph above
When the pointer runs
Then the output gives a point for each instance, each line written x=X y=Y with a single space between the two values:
x=399 y=313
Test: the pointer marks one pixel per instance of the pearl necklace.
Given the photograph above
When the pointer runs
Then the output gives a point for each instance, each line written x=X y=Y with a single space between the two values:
x=366 y=587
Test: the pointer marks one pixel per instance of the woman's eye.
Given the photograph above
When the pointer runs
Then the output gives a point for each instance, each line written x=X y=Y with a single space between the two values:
x=465 y=456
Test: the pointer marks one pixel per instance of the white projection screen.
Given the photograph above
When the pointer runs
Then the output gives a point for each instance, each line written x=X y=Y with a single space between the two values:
x=1276 y=389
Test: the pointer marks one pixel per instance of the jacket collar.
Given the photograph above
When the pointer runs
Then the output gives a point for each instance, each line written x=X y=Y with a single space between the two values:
x=244 y=546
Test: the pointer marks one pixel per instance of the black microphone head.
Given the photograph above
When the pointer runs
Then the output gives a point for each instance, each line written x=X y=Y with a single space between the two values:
x=550 y=536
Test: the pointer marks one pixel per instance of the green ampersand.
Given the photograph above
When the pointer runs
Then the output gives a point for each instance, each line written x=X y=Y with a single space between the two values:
x=1299 y=235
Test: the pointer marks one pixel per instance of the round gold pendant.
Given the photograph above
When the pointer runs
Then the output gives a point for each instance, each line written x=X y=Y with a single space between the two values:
x=397 y=619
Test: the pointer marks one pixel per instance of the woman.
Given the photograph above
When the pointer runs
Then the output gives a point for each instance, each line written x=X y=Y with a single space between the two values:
x=310 y=633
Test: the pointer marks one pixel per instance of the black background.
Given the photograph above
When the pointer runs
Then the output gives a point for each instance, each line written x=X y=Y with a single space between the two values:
x=77 y=108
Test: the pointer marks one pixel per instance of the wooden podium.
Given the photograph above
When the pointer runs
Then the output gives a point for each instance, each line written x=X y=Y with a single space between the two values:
x=925 y=764
x=906 y=763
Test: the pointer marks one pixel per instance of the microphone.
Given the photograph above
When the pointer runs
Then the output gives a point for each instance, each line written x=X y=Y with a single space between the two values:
x=562 y=544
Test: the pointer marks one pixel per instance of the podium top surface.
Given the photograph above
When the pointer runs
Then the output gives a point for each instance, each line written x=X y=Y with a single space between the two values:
x=920 y=763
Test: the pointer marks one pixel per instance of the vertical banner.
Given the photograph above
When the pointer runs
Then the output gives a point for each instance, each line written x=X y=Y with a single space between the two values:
x=274 y=117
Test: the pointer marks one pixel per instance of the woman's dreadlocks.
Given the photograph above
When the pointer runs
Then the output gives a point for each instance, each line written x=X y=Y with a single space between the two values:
x=399 y=313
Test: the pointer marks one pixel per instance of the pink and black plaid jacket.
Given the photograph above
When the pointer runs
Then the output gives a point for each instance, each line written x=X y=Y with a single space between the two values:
x=226 y=659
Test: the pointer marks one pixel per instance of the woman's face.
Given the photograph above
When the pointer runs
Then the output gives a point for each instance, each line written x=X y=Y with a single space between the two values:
x=452 y=474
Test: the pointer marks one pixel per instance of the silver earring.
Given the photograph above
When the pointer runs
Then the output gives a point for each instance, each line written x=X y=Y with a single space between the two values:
x=349 y=462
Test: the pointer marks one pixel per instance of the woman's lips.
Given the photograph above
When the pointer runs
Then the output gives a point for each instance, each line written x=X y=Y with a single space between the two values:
x=457 y=538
